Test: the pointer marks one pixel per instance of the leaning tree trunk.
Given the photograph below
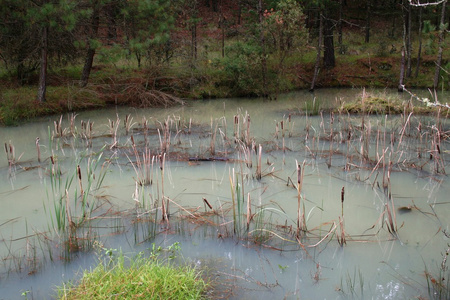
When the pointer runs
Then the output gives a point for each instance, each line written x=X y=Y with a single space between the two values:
x=43 y=73
x=319 y=46
x=91 y=51
x=441 y=41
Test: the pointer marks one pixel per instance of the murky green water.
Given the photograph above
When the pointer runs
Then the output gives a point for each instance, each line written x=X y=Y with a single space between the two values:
x=267 y=260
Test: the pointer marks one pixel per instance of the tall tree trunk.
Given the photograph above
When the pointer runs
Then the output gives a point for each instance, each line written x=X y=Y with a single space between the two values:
x=401 y=83
x=262 y=41
x=222 y=27
x=43 y=73
x=393 y=4
x=319 y=46
x=339 y=28
x=408 y=41
x=368 y=13
x=419 y=51
x=91 y=51
x=239 y=12
x=441 y=42
x=111 y=12
x=214 y=5
x=194 y=42
x=329 y=59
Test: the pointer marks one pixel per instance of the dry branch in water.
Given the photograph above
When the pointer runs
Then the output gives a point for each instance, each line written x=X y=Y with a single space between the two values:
x=139 y=96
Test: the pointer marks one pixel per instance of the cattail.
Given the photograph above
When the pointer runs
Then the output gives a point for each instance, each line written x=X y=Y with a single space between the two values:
x=207 y=203
x=342 y=201
x=79 y=179
x=38 y=149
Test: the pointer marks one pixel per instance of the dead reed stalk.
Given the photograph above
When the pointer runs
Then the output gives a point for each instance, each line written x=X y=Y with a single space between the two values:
x=301 y=224
x=165 y=206
x=58 y=131
x=213 y=137
x=72 y=117
x=236 y=128
x=249 y=210
x=341 y=239
x=258 y=165
x=247 y=132
x=331 y=140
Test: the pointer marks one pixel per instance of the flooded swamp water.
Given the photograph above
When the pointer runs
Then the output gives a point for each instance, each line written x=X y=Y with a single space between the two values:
x=272 y=202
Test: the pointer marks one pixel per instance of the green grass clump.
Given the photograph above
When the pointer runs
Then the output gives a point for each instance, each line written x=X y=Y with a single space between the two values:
x=140 y=277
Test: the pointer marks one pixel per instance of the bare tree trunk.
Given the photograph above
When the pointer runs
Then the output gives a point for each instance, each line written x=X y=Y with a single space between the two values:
x=91 y=51
x=44 y=60
x=222 y=27
x=319 y=46
x=367 y=37
x=419 y=52
x=239 y=12
x=408 y=41
x=111 y=12
x=401 y=83
x=339 y=28
x=329 y=59
x=263 y=50
x=194 y=42
x=441 y=42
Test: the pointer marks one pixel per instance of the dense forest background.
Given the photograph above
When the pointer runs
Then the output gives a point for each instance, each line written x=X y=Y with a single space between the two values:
x=63 y=55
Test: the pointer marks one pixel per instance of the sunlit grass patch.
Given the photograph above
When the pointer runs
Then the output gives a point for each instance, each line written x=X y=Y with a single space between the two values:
x=138 y=277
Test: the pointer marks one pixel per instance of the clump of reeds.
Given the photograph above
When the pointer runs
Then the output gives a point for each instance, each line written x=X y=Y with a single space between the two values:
x=72 y=130
x=164 y=138
x=70 y=216
x=435 y=152
x=128 y=123
x=113 y=128
x=237 y=201
x=10 y=151
x=236 y=130
x=142 y=167
x=87 y=131
x=248 y=139
x=58 y=130
x=391 y=216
